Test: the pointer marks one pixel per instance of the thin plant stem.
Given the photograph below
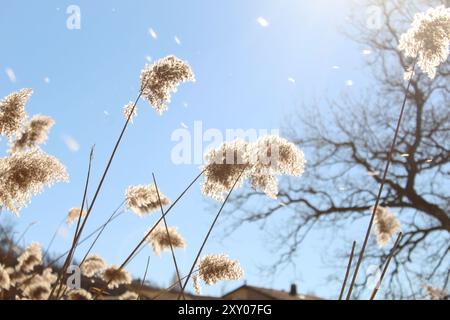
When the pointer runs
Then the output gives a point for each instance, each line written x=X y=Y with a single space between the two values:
x=128 y=259
x=111 y=158
x=347 y=272
x=173 y=285
x=102 y=179
x=168 y=234
x=25 y=231
x=11 y=240
x=87 y=237
x=383 y=181
x=100 y=233
x=132 y=255
x=207 y=235
x=143 y=279
x=58 y=283
x=53 y=238
x=386 y=265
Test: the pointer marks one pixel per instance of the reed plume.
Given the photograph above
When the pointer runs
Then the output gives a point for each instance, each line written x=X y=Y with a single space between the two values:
x=260 y=162
x=12 y=112
x=217 y=267
x=93 y=265
x=115 y=277
x=5 y=281
x=30 y=258
x=161 y=239
x=74 y=214
x=143 y=199
x=428 y=39
x=79 y=294
x=386 y=225
x=25 y=174
x=161 y=78
x=33 y=134
x=130 y=111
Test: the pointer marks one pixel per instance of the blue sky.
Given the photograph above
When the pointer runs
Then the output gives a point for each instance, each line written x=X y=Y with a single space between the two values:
x=248 y=76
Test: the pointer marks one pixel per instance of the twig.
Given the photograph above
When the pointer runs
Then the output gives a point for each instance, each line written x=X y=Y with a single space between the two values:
x=348 y=270
x=168 y=234
x=207 y=235
x=25 y=231
x=86 y=238
x=111 y=158
x=101 y=231
x=143 y=279
x=173 y=285
x=383 y=181
x=58 y=283
x=391 y=254
x=53 y=238
x=132 y=255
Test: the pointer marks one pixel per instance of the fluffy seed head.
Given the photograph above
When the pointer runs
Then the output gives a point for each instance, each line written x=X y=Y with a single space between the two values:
x=160 y=240
x=223 y=166
x=161 y=78
x=196 y=284
x=12 y=112
x=433 y=293
x=74 y=214
x=5 y=281
x=127 y=109
x=115 y=277
x=386 y=225
x=37 y=291
x=217 y=267
x=25 y=174
x=79 y=294
x=93 y=265
x=143 y=199
x=33 y=134
x=49 y=275
x=31 y=257
x=279 y=155
x=128 y=295
x=428 y=38
x=260 y=162
x=16 y=276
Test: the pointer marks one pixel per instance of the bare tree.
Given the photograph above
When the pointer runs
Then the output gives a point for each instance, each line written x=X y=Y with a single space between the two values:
x=347 y=149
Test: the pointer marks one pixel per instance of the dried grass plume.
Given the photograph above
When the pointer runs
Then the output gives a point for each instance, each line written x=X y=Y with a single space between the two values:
x=93 y=265
x=260 y=162
x=74 y=214
x=128 y=110
x=5 y=281
x=217 y=267
x=24 y=175
x=386 y=225
x=128 y=295
x=79 y=294
x=161 y=78
x=12 y=112
x=160 y=240
x=33 y=134
x=143 y=199
x=433 y=293
x=428 y=38
x=115 y=277
x=30 y=258
x=223 y=166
